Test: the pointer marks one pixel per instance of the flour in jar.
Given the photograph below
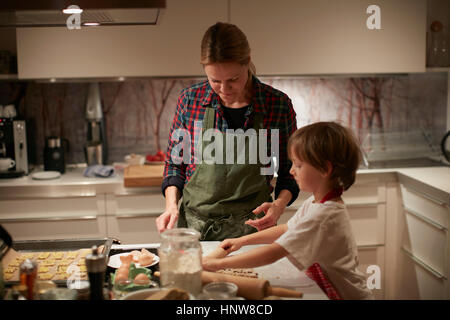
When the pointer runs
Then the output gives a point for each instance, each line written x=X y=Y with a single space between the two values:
x=181 y=269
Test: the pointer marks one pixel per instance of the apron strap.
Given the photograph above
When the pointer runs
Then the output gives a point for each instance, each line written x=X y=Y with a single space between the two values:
x=208 y=121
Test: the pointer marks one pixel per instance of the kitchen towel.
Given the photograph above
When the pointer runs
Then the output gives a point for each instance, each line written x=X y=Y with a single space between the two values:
x=316 y=273
x=99 y=171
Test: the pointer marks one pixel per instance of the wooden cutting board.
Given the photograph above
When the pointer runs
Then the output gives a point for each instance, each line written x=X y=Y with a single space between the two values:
x=143 y=176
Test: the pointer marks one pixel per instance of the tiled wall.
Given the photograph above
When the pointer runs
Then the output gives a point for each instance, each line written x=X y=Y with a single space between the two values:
x=134 y=108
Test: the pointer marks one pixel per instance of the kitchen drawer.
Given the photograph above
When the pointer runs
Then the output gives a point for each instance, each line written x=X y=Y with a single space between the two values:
x=372 y=255
x=133 y=229
x=55 y=208
x=417 y=281
x=426 y=205
x=368 y=223
x=152 y=204
x=57 y=228
x=425 y=241
x=365 y=193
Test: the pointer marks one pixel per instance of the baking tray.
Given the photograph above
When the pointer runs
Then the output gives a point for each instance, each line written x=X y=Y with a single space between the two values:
x=60 y=245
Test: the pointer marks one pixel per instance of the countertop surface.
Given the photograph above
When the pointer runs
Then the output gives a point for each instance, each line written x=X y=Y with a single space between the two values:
x=280 y=274
x=435 y=177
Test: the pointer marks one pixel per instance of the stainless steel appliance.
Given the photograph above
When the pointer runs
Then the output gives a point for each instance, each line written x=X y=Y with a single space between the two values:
x=13 y=144
x=401 y=149
x=96 y=143
x=25 y=13
x=54 y=154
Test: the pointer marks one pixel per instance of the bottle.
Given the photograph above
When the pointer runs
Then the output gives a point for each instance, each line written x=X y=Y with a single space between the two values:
x=96 y=267
x=28 y=276
x=180 y=262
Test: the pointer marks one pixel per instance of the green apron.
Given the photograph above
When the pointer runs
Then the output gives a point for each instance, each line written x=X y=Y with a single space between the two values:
x=219 y=198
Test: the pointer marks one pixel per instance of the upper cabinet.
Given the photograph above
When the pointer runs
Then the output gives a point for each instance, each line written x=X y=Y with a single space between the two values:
x=287 y=37
x=171 y=48
x=290 y=37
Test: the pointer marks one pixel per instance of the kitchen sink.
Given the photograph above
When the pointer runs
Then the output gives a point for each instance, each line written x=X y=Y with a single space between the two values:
x=406 y=163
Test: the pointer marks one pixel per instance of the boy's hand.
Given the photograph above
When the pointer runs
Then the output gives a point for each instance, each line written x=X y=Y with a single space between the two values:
x=272 y=212
x=230 y=245
x=211 y=264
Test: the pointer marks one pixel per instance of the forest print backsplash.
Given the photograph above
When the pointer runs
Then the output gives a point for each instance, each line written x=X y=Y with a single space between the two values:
x=138 y=113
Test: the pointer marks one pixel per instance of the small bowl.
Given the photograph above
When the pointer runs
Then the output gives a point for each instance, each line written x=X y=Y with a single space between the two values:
x=134 y=159
x=220 y=290
x=145 y=293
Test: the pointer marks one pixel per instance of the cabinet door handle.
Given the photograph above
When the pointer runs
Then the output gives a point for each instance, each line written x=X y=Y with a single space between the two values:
x=137 y=215
x=364 y=204
x=48 y=219
x=369 y=246
x=426 y=196
x=425 y=219
x=423 y=264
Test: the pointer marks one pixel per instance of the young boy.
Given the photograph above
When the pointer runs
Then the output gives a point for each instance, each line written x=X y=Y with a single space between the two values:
x=325 y=157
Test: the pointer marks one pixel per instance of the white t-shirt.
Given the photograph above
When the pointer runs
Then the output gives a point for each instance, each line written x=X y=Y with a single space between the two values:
x=321 y=233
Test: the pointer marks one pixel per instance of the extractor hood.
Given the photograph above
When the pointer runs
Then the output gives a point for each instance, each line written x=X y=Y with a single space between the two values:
x=49 y=13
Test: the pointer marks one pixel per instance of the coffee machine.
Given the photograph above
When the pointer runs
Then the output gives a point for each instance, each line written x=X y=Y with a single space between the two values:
x=54 y=154
x=96 y=144
x=13 y=144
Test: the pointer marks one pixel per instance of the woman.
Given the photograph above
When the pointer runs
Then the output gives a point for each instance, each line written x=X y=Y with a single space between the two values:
x=222 y=200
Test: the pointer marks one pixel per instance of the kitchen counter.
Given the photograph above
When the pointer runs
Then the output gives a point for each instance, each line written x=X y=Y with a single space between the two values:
x=73 y=183
x=436 y=177
x=280 y=274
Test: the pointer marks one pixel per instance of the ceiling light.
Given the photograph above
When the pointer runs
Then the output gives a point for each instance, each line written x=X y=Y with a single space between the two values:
x=72 y=10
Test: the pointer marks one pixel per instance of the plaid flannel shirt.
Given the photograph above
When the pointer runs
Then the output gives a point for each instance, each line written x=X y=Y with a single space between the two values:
x=277 y=111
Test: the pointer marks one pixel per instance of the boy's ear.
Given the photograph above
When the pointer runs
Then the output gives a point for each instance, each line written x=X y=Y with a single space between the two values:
x=327 y=173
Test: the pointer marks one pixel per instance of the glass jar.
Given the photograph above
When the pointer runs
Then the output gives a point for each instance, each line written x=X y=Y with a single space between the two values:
x=180 y=262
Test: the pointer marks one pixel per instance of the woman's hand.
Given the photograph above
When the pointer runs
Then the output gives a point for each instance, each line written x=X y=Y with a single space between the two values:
x=211 y=264
x=272 y=210
x=230 y=245
x=167 y=219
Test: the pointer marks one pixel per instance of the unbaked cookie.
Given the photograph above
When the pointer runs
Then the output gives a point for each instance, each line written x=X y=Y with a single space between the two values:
x=45 y=276
x=43 y=255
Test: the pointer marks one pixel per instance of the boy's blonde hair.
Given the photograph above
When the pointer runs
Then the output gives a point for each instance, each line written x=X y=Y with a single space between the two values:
x=321 y=142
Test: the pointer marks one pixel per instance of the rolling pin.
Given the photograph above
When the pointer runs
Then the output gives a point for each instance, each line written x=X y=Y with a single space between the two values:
x=217 y=253
x=248 y=288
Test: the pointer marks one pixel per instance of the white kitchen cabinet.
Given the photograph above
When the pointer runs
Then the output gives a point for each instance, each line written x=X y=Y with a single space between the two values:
x=418 y=282
x=425 y=244
x=132 y=218
x=54 y=218
x=170 y=48
x=370 y=256
x=291 y=37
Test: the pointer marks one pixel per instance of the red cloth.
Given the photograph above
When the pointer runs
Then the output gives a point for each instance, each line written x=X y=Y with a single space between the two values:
x=316 y=273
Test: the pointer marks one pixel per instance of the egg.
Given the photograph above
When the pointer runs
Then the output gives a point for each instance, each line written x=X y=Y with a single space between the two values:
x=141 y=278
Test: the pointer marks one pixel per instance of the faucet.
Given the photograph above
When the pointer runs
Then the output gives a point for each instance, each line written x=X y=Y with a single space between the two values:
x=365 y=159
